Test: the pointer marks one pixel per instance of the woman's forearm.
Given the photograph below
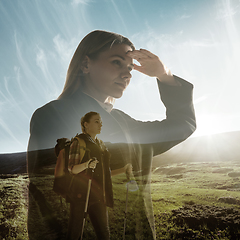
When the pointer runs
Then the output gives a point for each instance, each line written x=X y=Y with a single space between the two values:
x=117 y=171
x=126 y=168
x=79 y=168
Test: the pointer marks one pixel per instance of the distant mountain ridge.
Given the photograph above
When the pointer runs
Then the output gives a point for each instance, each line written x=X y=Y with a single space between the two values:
x=212 y=148
x=13 y=163
x=217 y=147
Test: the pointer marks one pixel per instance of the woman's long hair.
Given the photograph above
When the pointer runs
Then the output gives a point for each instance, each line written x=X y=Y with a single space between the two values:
x=91 y=45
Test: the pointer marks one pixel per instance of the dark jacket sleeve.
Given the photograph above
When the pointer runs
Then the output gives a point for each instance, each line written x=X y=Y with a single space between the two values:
x=179 y=124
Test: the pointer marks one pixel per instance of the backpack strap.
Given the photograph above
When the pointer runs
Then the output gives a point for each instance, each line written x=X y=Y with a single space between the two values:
x=82 y=146
x=67 y=149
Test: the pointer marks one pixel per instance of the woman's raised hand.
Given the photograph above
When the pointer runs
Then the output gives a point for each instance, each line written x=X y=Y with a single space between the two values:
x=152 y=66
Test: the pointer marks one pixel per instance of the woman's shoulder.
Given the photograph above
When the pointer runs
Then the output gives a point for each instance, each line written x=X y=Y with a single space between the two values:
x=80 y=140
x=53 y=105
x=81 y=136
x=50 y=109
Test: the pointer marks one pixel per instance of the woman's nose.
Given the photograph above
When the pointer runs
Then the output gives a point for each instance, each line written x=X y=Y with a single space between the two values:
x=126 y=74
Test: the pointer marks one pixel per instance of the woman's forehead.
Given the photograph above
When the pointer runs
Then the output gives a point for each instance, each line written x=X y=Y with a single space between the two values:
x=96 y=117
x=118 y=49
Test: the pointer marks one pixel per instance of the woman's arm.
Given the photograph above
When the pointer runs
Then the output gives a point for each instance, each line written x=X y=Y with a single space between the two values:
x=178 y=125
x=79 y=168
x=83 y=166
x=76 y=154
x=126 y=169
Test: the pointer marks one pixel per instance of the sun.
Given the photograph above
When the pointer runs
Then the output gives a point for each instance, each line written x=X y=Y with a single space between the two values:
x=209 y=125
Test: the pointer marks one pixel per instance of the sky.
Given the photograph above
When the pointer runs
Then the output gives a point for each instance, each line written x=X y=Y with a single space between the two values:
x=197 y=40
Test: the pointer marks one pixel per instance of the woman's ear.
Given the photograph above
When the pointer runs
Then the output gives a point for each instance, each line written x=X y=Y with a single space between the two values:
x=85 y=126
x=85 y=65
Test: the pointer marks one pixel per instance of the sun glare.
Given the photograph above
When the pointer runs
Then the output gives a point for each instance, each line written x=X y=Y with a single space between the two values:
x=209 y=124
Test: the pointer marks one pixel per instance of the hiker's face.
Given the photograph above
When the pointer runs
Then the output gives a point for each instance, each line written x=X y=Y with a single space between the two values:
x=94 y=126
x=109 y=74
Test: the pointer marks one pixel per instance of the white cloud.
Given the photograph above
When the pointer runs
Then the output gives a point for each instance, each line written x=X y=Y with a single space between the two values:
x=184 y=16
x=25 y=66
x=5 y=127
x=41 y=60
x=119 y=14
x=206 y=43
x=9 y=98
x=18 y=78
x=51 y=88
x=64 y=48
x=226 y=11
x=76 y=2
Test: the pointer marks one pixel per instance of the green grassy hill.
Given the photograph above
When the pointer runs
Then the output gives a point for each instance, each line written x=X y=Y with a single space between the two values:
x=195 y=194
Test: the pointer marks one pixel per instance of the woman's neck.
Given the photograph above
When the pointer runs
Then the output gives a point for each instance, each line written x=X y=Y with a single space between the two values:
x=94 y=93
x=93 y=136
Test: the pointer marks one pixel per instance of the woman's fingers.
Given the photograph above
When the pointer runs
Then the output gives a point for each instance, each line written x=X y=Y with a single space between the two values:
x=92 y=163
x=138 y=55
x=141 y=54
x=150 y=64
x=129 y=168
x=148 y=53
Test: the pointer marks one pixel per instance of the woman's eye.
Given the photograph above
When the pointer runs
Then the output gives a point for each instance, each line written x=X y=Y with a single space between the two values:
x=117 y=62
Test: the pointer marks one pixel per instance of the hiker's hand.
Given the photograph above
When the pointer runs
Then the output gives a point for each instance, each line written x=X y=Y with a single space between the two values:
x=128 y=168
x=92 y=163
x=151 y=65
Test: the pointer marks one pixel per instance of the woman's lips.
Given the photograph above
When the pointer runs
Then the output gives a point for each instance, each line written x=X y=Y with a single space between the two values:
x=122 y=85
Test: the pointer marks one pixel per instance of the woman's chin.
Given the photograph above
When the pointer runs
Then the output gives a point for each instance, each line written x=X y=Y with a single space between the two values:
x=117 y=94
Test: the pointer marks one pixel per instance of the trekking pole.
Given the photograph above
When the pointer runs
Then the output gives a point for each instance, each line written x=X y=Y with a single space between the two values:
x=87 y=197
x=124 y=227
x=133 y=188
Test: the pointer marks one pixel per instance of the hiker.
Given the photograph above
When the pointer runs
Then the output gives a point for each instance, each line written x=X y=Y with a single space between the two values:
x=99 y=72
x=101 y=194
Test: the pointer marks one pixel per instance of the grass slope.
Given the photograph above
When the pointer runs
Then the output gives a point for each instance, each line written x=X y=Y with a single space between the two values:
x=182 y=194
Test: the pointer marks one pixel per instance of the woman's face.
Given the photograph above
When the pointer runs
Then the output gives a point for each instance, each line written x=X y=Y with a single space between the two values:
x=109 y=74
x=93 y=127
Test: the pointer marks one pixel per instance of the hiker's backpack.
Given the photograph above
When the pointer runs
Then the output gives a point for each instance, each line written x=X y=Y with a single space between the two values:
x=62 y=177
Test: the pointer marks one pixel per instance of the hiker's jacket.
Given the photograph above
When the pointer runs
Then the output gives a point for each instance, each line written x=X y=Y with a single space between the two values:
x=101 y=185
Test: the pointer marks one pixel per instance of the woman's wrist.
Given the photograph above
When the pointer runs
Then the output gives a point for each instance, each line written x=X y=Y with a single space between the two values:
x=168 y=80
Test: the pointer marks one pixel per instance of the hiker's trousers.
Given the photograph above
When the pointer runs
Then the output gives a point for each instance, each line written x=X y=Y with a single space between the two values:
x=99 y=218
